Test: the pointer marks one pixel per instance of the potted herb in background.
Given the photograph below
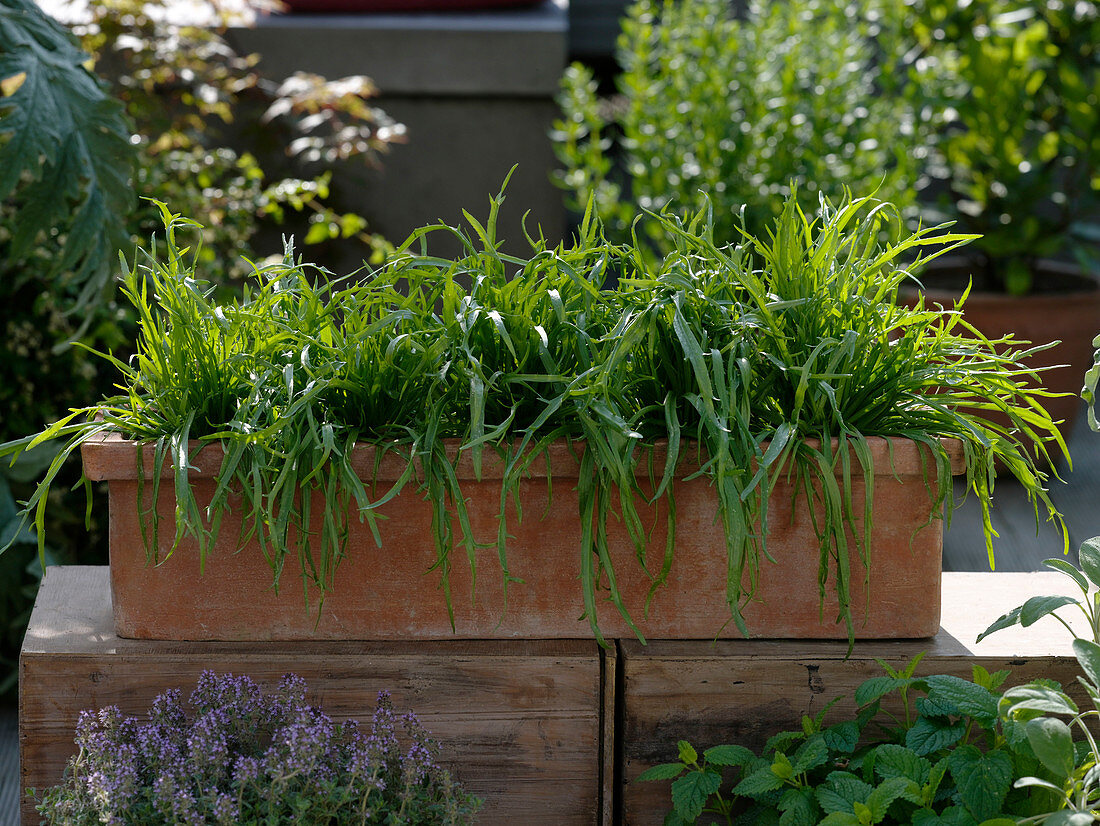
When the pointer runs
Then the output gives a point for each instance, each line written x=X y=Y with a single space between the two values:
x=1012 y=87
x=732 y=111
x=705 y=392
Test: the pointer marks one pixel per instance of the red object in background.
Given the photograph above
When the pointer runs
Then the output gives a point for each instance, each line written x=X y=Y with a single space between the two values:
x=401 y=5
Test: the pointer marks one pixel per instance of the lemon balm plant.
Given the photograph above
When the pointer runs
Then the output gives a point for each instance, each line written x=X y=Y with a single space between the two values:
x=773 y=361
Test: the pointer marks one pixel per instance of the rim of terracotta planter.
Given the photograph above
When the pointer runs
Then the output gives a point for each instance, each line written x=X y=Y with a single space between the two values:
x=102 y=460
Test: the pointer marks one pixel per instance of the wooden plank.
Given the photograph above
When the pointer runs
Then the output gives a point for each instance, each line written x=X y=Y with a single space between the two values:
x=745 y=691
x=518 y=722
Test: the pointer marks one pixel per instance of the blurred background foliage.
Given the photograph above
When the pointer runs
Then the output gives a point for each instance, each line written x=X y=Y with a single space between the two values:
x=735 y=107
x=986 y=113
x=191 y=123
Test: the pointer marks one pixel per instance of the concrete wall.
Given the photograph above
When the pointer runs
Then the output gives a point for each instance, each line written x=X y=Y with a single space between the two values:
x=476 y=91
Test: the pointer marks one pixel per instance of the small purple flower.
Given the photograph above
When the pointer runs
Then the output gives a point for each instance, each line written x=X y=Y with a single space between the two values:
x=243 y=756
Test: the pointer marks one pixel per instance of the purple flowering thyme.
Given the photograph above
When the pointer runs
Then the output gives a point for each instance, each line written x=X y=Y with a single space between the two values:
x=242 y=757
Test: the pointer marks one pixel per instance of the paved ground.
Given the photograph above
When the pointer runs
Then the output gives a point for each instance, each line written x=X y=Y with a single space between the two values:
x=1019 y=548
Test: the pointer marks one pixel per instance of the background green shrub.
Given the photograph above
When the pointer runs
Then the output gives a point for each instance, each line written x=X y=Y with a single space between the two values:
x=734 y=110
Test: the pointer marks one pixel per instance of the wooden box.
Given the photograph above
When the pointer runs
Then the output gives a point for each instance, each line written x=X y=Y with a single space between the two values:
x=520 y=723
x=743 y=692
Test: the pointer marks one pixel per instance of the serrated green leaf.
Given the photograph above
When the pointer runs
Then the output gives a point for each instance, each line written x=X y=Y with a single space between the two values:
x=728 y=756
x=840 y=819
x=811 y=754
x=758 y=783
x=798 y=807
x=982 y=781
x=884 y=794
x=687 y=752
x=892 y=760
x=664 y=771
x=65 y=151
x=840 y=790
x=928 y=735
x=969 y=698
x=783 y=741
x=690 y=793
x=936 y=707
x=876 y=687
x=842 y=737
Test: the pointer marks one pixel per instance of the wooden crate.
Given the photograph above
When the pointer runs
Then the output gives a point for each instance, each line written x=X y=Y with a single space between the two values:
x=519 y=722
x=745 y=691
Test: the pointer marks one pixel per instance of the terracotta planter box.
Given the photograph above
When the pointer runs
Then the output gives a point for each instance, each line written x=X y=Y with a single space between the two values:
x=388 y=593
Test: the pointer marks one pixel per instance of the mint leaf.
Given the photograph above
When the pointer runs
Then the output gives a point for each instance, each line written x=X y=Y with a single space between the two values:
x=842 y=737
x=728 y=756
x=981 y=780
x=840 y=790
x=892 y=760
x=876 y=687
x=928 y=735
x=665 y=771
x=690 y=793
x=970 y=699
x=798 y=807
x=811 y=754
x=758 y=783
x=880 y=798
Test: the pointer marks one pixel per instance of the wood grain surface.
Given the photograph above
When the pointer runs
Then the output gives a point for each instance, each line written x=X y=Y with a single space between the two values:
x=518 y=722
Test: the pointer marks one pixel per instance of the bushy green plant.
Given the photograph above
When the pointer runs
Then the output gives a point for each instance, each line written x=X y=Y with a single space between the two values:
x=944 y=757
x=1015 y=83
x=778 y=357
x=736 y=111
x=245 y=758
x=220 y=140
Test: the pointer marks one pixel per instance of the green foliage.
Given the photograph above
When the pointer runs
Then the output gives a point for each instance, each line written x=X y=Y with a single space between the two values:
x=1014 y=83
x=219 y=140
x=1070 y=776
x=1087 y=579
x=1088 y=391
x=778 y=358
x=65 y=159
x=209 y=133
x=736 y=112
x=875 y=772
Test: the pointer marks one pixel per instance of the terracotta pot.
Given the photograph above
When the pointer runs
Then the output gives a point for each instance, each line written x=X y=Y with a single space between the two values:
x=1069 y=314
x=372 y=6
x=389 y=593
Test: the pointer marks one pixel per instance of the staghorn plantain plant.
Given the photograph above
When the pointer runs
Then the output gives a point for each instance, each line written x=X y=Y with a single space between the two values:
x=777 y=357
